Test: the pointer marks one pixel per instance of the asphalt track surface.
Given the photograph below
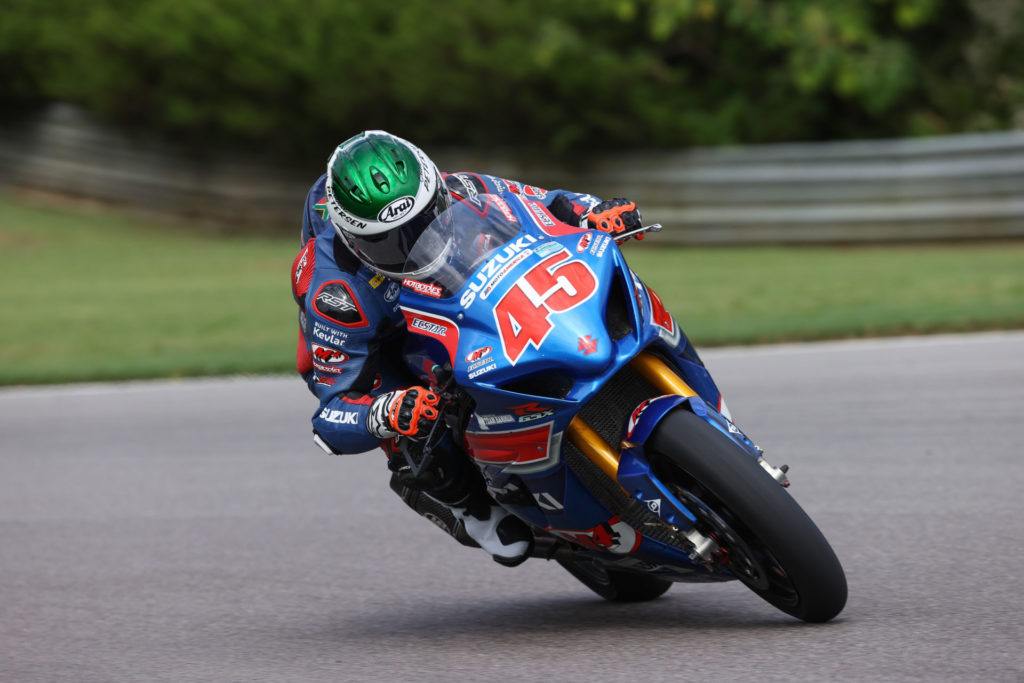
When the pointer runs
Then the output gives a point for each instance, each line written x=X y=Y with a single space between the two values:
x=190 y=530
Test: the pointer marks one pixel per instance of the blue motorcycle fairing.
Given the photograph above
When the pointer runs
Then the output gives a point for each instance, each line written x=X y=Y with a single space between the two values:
x=534 y=317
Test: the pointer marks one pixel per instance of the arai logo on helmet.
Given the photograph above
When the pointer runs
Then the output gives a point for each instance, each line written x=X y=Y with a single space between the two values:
x=396 y=210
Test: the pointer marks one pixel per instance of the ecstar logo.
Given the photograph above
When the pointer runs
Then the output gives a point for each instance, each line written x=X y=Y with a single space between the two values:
x=432 y=328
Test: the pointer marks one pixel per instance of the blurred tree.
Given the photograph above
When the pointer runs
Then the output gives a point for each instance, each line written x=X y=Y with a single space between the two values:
x=296 y=77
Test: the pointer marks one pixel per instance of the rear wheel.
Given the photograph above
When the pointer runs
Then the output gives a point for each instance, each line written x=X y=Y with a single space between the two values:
x=765 y=539
x=615 y=585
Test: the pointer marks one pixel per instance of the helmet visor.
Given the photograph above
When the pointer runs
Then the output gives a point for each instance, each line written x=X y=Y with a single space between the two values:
x=387 y=251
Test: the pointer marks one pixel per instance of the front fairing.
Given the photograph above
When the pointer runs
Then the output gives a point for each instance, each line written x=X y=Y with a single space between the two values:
x=534 y=318
x=542 y=318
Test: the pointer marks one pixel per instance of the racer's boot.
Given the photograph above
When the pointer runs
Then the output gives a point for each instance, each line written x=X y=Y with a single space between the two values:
x=473 y=521
x=506 y=537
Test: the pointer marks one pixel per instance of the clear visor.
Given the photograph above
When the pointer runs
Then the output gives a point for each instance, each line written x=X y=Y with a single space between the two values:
x=388 y=251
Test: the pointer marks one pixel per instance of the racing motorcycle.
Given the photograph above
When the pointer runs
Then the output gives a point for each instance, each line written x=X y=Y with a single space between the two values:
x=560 y=375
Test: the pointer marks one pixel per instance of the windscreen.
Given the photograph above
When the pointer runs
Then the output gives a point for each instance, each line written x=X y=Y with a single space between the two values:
x=458 y=241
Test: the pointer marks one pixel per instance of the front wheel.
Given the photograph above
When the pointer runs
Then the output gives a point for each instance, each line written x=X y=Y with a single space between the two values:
x=764 y=537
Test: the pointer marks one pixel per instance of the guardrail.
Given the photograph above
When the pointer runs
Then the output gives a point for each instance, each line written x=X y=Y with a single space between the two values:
x=955 y=187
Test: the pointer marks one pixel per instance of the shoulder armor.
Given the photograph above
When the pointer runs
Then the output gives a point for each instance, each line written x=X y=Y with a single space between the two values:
x=336 y=302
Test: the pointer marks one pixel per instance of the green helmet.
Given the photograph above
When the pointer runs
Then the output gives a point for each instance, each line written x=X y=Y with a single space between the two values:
x=382 y=193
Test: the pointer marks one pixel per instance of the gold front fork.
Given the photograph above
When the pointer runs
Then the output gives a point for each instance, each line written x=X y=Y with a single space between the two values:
x=661 y=375
x=591 y=444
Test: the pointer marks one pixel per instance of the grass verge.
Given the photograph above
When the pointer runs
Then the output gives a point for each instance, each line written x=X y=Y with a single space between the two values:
x=93 y=295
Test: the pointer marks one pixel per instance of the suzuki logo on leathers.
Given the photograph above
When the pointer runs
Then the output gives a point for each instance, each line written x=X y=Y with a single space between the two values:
x=341 y=417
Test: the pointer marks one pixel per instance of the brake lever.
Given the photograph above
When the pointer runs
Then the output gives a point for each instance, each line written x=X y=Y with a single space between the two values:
x=425 y=447
x=444 y=380
x=653 y=227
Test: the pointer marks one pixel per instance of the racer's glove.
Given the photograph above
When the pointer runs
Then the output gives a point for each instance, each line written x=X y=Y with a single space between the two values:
x=615 y=216
x=407 y=412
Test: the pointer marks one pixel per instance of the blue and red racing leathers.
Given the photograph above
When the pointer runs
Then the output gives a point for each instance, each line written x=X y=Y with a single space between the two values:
x=351 y=328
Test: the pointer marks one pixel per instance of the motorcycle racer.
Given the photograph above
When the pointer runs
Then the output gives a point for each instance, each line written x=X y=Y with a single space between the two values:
x=361 y=218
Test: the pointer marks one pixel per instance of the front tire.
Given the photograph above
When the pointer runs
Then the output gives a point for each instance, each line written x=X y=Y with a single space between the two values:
x=766 y=540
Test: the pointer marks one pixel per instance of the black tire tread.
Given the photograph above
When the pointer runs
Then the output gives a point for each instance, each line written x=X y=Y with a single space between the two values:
x=685 y=441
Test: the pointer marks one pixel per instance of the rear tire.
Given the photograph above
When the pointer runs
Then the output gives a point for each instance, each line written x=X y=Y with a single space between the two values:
x=767 y=541
x=615 y=585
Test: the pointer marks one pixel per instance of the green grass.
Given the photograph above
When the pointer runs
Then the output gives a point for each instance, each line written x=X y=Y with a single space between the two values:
x=94 y=295
x=767 y=294
x=86 y=295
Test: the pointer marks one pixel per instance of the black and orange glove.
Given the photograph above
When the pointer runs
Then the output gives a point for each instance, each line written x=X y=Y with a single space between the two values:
x=404 y=412
x=615 y=216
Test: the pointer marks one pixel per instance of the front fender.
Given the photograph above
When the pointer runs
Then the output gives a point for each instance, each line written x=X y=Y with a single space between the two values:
x=634 y=472
x=648 y=414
